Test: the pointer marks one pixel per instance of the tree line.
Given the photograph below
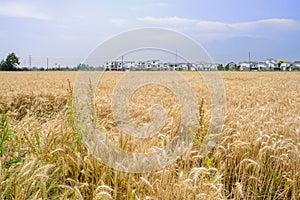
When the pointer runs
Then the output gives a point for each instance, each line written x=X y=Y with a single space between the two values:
x=227 y=67
x=12 y=61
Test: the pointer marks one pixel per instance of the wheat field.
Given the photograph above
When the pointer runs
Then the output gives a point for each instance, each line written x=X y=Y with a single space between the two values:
x=257 y=155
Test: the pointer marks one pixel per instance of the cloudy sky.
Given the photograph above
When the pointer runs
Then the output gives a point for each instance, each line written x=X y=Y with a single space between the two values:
x=68 y=30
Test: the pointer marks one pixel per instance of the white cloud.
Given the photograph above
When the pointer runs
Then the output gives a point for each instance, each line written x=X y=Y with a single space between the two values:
x=245 y=26
x=171 y=21
x=216 y=25
x=119 y=21
x=21 y=10
x=212 y=30
x=267 y=28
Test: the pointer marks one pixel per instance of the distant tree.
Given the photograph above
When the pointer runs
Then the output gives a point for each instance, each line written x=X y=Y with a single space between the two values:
x=280 y=62
x=3 y=65
x=86 y=67
x=220 y=67
x=237 y=67
x=10 y=63
x=227 y=67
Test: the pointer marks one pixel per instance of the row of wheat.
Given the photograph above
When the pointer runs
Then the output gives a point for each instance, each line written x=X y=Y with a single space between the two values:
x=257 y=155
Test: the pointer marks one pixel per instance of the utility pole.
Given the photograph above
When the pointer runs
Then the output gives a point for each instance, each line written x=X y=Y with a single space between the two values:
x=176 y=56
x=29 y=62
x=249 y=61
x=249 y=57
x=122 y=64
x=47 y=63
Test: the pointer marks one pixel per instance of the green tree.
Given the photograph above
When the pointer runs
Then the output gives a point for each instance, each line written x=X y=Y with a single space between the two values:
x=10 y=63
x=280 y=62
x=3 y=65
x=220 y=67
x=227 y=67
x=237 y=67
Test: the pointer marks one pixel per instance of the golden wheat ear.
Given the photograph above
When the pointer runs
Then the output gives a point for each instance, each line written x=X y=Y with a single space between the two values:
x=256 y=156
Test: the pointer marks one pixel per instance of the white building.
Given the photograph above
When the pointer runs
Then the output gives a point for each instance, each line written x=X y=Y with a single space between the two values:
x=296 y=65
x=271 y=64
x=262 y=66
x=244 y=66
x=113 y=65
x=129 y=65
x=286 y=66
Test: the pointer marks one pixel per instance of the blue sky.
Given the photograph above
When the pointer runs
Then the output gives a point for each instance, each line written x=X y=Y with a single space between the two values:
x=66 y=31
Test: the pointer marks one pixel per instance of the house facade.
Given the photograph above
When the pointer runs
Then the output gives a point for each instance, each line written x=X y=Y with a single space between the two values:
x=156 y=65
x=272 y=64
x=244 y=66
x=286 y=66
x=262 y=66
x=296 y=66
